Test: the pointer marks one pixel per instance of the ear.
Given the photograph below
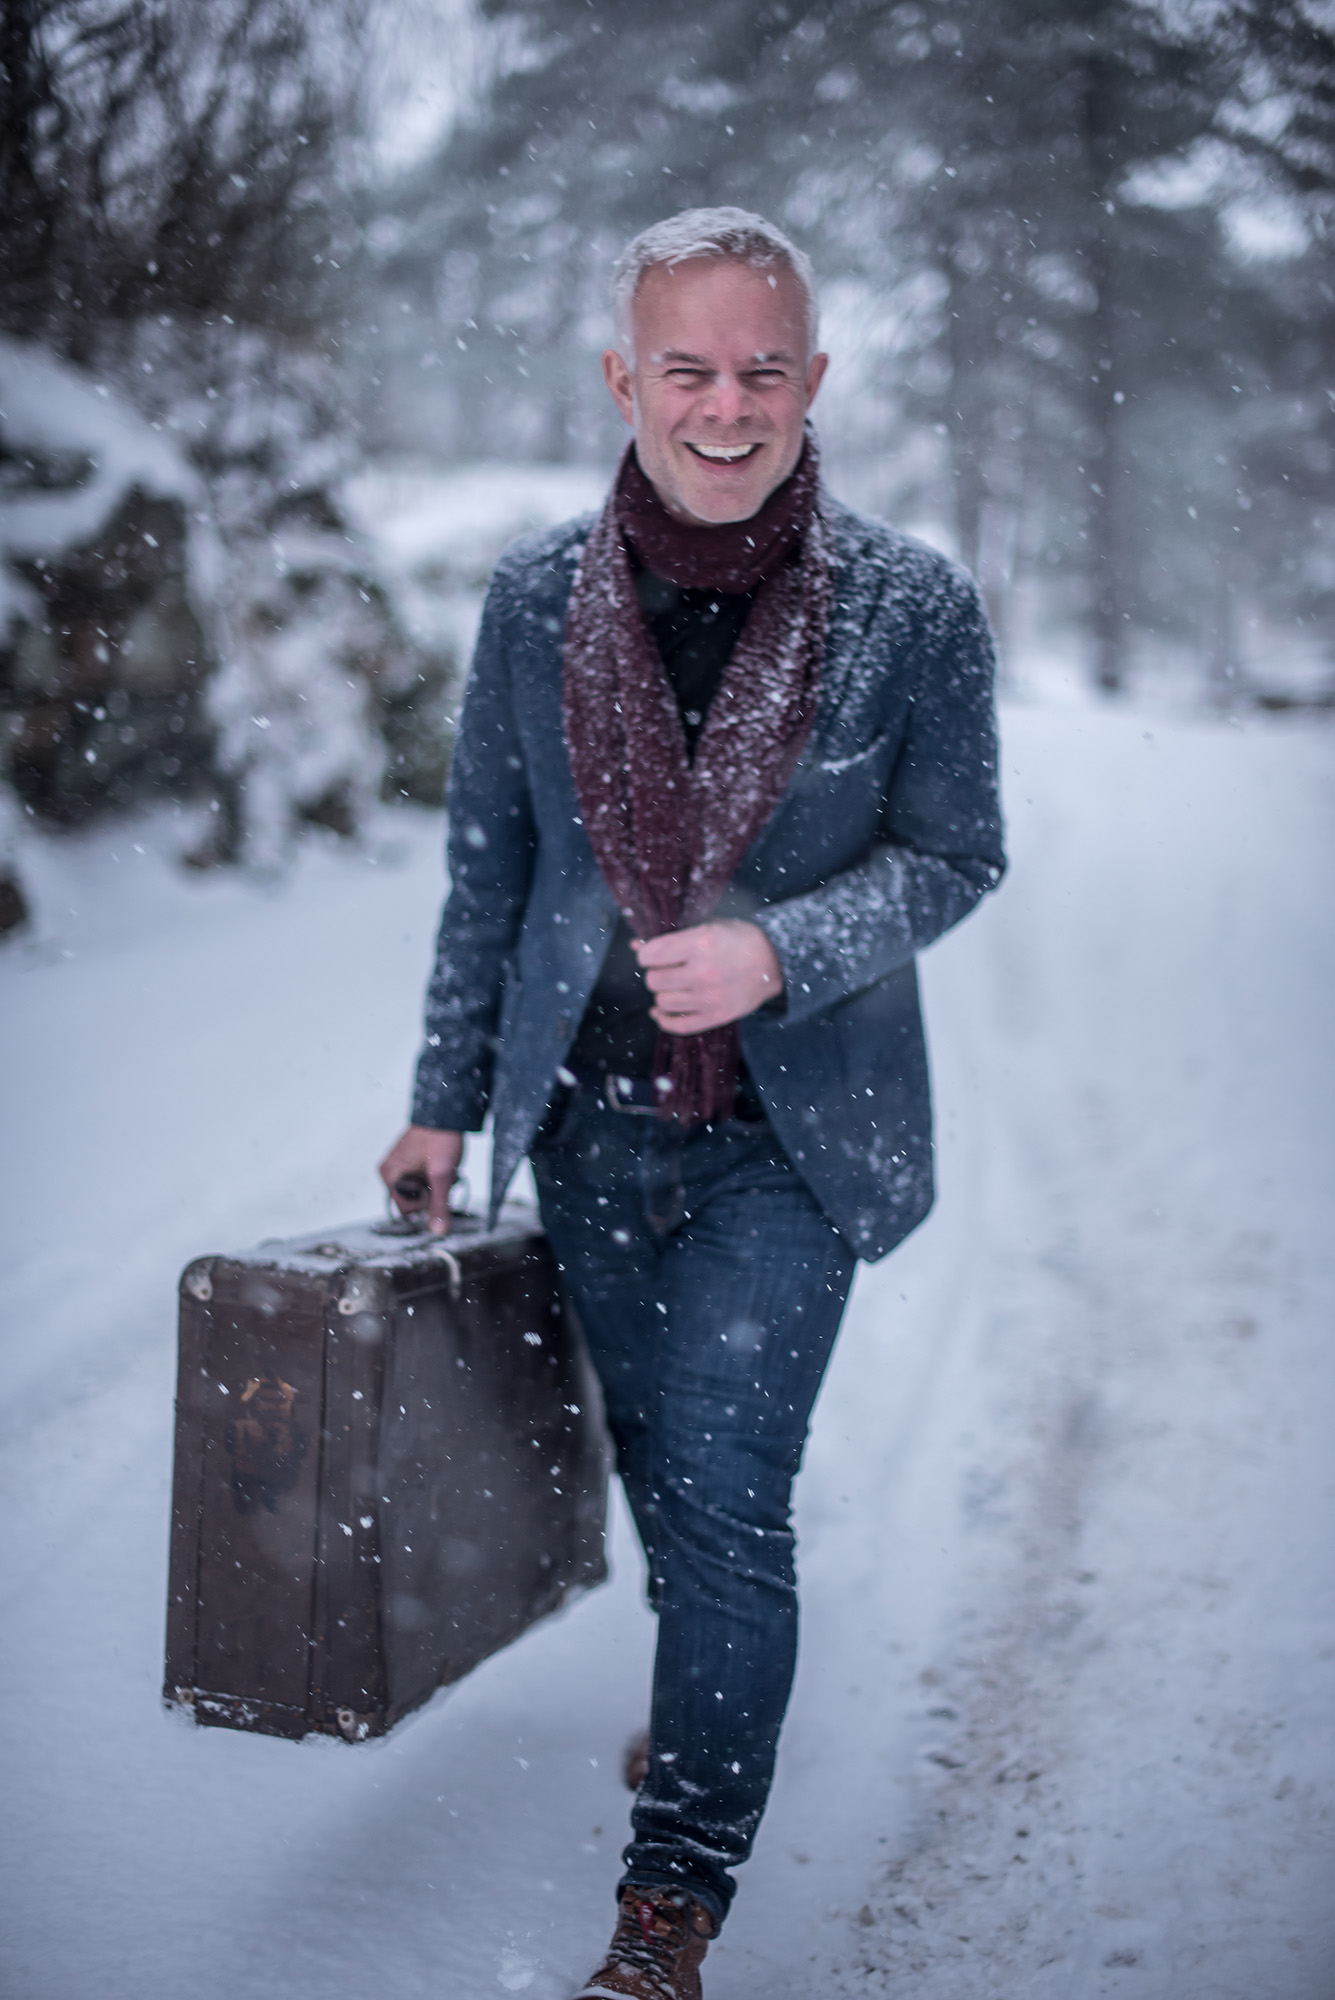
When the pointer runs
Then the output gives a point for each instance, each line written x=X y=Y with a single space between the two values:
x=621 y=382
x=816 y=368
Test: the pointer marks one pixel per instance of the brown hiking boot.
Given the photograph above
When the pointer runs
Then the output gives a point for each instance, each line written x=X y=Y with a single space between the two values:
x=635 y=1761
x=656 y=1949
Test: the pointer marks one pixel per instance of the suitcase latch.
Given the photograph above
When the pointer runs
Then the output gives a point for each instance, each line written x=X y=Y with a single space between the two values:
x=199 y=1283
x=357 y=1297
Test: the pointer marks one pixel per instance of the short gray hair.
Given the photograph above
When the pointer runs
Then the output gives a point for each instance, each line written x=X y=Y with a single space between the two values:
x=708 y=232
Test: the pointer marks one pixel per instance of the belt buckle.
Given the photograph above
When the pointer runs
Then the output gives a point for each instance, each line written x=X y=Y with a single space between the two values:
x=614 y=1102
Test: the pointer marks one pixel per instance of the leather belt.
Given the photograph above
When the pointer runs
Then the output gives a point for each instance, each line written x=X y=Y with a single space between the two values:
x=638 y=1096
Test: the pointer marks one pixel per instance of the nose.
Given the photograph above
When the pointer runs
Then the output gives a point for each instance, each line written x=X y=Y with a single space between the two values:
x=727 y=400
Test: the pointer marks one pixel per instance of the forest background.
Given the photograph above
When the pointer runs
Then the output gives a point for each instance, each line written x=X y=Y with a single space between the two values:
x=277 y=276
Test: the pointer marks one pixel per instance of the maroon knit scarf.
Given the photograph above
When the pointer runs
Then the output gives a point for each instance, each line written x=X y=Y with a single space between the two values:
x=668 y=834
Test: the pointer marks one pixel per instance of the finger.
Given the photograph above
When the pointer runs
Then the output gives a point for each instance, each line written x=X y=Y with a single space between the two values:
x=406 y=1185
x=411 y=1190
x=679 y=1006
x=438 y=1213
x=670 y=949
x=669 y=979
x=693 y=1021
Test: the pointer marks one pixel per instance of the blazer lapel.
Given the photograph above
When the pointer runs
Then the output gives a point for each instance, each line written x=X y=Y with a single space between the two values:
x=855 y=606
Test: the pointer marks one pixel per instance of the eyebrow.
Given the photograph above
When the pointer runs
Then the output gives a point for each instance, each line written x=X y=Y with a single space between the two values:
x=671 y=354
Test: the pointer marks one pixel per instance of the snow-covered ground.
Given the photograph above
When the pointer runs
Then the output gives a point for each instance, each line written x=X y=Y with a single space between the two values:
x=1064 y=1722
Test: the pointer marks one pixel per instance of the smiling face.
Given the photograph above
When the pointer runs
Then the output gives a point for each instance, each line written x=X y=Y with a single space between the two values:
x=720 y=384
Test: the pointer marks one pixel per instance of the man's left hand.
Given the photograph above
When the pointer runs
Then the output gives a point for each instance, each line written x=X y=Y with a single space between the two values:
x=709 y=975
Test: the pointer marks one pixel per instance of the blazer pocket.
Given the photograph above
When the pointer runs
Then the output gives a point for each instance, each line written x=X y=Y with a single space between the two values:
x=838 y=767
x=830 y=773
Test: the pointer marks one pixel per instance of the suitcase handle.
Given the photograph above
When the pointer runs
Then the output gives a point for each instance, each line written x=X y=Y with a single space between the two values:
x=414 y=1187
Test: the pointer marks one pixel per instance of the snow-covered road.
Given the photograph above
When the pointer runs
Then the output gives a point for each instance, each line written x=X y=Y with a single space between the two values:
x=1064 y=1723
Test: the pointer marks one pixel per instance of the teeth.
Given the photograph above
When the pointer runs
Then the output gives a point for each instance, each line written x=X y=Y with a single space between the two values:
x=724 y=453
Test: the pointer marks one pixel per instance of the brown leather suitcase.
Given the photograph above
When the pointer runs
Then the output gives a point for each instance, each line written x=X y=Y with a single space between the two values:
x=390 y=1461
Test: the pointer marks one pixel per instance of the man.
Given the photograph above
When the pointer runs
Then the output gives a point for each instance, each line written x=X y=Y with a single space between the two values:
x=726 y=763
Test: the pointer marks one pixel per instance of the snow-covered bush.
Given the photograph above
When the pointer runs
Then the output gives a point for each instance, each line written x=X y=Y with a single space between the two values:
x=185 y=605
x=293 y=706
x=102 y=562
x=436 y=530
x=177 y=231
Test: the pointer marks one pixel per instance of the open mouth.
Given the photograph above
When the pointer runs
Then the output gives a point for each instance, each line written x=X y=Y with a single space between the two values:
x=723 y=454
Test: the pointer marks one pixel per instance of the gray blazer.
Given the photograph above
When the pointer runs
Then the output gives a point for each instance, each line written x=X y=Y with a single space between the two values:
x=888 y=833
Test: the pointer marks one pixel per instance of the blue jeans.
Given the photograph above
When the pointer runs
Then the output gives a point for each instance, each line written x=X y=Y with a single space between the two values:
x=710 y=1287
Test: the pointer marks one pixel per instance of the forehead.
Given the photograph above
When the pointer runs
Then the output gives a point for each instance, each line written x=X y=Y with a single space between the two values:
x=707 y=304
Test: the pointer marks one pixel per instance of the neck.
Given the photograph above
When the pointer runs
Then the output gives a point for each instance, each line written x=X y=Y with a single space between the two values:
x=721 y=555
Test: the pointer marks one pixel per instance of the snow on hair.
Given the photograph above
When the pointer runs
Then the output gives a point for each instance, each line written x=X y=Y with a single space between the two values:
x=708 y=232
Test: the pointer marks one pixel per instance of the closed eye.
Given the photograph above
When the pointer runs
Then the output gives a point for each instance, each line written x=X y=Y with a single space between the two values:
x=761 y=378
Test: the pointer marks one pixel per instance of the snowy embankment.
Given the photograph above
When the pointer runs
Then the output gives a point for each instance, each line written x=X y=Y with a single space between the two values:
x=1063 y=1723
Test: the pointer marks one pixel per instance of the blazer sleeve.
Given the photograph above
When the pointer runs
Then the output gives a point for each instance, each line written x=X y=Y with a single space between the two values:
x=491 y=848
x=939 y=834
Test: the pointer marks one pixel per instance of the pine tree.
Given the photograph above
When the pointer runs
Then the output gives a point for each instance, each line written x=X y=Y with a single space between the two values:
x=1070 y=335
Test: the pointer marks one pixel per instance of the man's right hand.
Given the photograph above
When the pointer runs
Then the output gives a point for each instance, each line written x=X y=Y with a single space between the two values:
x=433 y=1155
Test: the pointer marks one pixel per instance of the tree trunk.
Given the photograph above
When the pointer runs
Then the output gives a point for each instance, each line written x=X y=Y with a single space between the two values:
x=1221 y=639
x=970 y=425
x=1108 y=616
x=26 y=218
x=1104 y=469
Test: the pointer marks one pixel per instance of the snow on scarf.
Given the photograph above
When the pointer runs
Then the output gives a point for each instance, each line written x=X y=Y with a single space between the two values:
x=668 y=834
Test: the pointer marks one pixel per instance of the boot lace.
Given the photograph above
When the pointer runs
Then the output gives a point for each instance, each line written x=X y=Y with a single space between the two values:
x=654 y=1943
